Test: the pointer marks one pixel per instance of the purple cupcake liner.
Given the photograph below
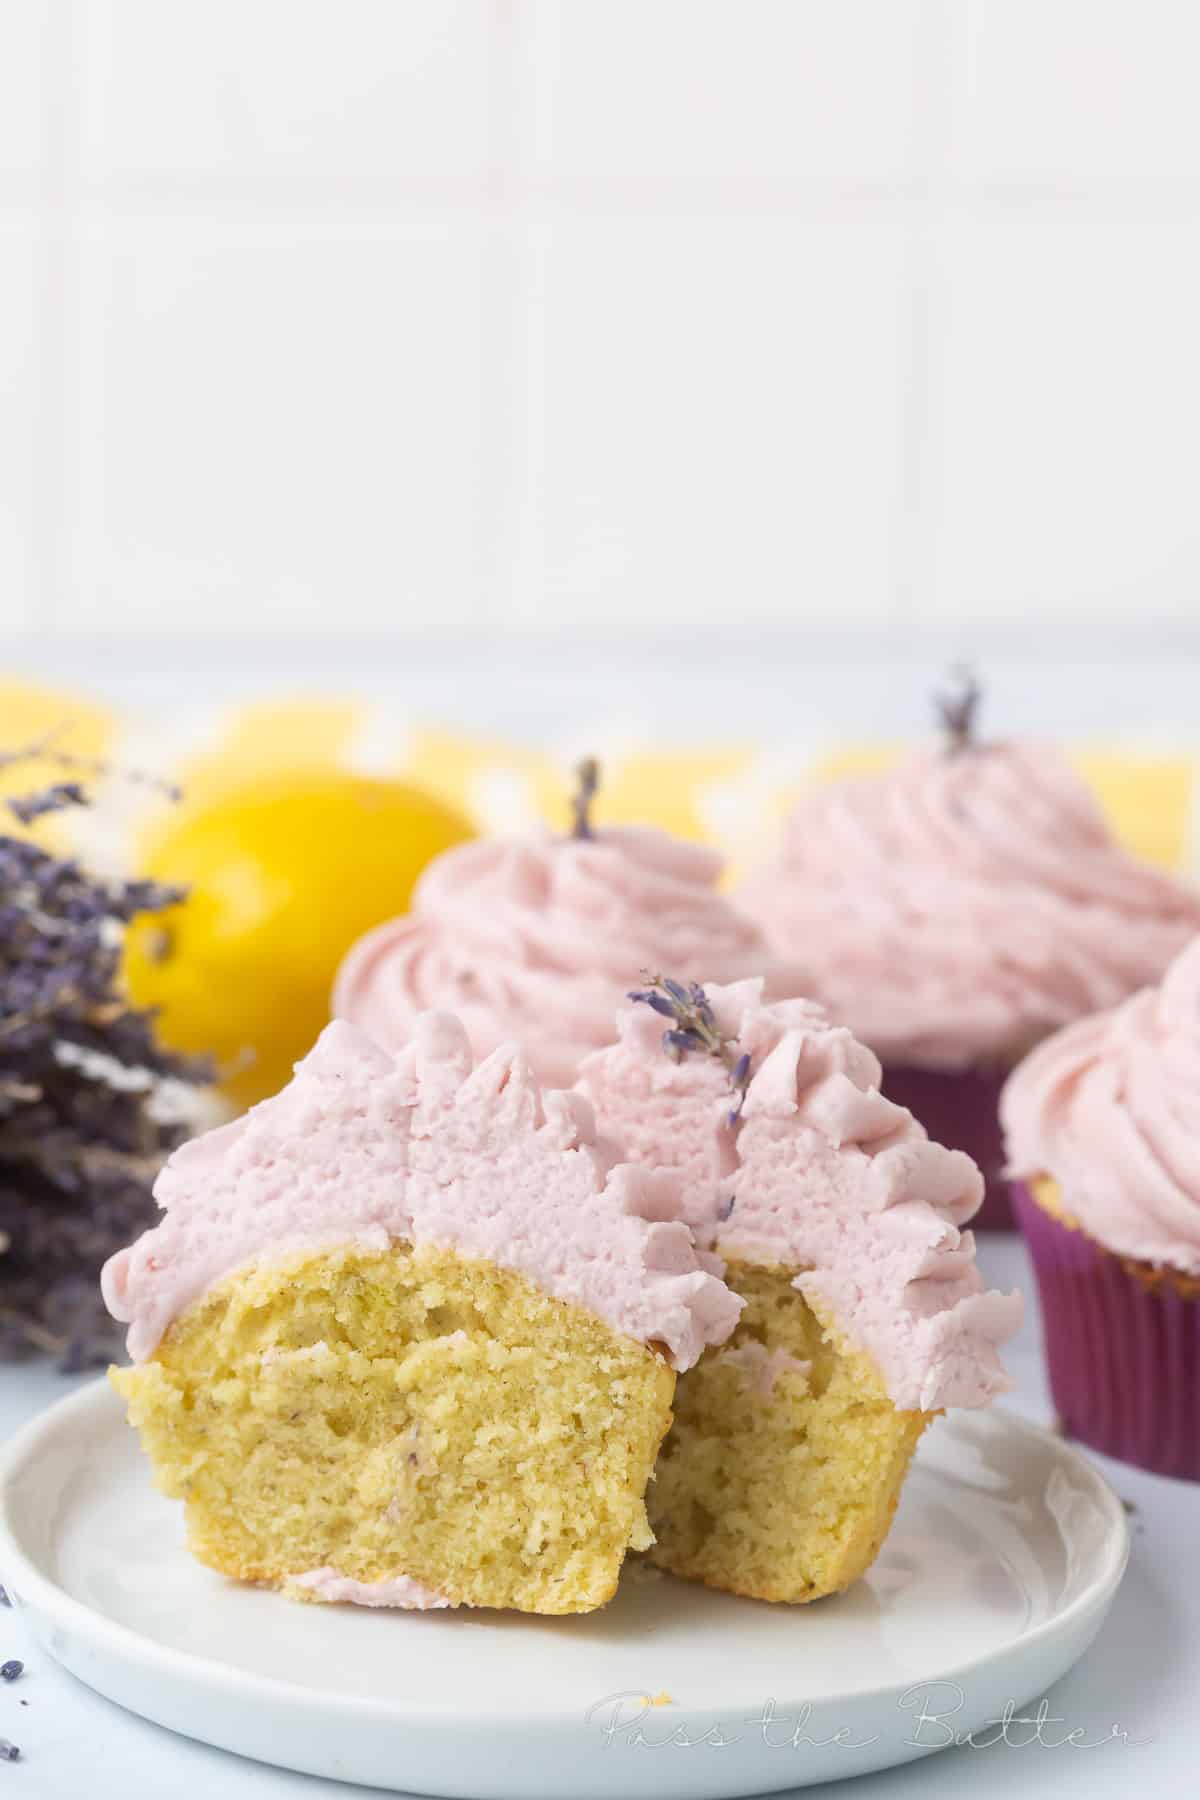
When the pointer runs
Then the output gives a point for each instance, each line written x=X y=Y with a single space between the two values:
x=1123 y=1357
x=961 y=1109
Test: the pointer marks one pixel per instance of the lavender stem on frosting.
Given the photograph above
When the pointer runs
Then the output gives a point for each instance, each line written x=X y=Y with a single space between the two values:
x=694 y=1027
x=587 y=774
x=958 y=709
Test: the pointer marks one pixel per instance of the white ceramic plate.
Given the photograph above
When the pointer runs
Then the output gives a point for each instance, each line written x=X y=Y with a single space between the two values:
x=1001 y=1566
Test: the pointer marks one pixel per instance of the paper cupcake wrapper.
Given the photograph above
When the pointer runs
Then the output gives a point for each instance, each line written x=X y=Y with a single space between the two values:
x=961 y=1108
x=1123 y=1357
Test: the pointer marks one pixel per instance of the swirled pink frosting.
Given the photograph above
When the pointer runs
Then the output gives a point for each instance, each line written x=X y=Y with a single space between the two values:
x=1110 y=1108
x=537 y=938
x=823 y=1174
x=365 y=1147
x=957 y=908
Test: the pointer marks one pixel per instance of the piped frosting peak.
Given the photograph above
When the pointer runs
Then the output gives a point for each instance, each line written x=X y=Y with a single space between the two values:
x=1110 y=1108
x=424 y=1146
x=823 y=1173
x=533 y=939
x=960 y=906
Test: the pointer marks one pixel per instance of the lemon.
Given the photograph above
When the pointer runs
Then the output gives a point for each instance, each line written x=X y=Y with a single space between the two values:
x=284 y=874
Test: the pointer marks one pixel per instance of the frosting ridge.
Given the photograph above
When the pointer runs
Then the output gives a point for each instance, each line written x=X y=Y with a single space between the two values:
x=536 y=939
x=962 y=905
x=425 y=1147
x=824 y=1173
x=1110 y=1108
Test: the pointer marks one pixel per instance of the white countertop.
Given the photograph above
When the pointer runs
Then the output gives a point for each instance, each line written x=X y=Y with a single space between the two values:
x=1142 y=1677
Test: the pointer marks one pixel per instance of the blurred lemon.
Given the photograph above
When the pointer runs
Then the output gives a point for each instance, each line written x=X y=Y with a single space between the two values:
x=284 y=875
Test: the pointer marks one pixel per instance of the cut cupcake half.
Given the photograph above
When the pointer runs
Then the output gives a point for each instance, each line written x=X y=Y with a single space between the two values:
x=406 y=1336
x=839 y=1225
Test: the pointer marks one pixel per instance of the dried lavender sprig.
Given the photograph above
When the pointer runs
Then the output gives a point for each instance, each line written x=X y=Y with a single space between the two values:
x=79 y=1143
x=43 y=750
x=957 y=709
x=587 y=774
x=694 y=1027
x=29 y=807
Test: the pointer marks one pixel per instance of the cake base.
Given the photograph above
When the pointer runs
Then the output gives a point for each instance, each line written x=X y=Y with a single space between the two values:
x=407 y=1427
x=1122 y=1343
x=782 y=1472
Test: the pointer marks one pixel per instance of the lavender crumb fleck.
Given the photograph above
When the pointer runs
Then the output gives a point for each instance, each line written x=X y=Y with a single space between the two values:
x=725 y=1210
x=8 y=1752
x=10 y=1670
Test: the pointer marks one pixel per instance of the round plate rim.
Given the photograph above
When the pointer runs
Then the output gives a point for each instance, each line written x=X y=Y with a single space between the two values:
x=24 y=1575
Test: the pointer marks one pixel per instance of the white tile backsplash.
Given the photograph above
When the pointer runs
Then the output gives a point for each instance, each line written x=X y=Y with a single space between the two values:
x=279 y=427
x=19 y=439
x=404 y=316
x=23 y=36
x=701 y=100
x=1074 y=94
x=1069 y=460
x=391 y=94
x=721 y=412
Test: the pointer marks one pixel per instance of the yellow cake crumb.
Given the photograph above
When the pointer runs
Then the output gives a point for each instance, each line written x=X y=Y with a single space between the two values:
x=784 y=1466
x=405 y=1413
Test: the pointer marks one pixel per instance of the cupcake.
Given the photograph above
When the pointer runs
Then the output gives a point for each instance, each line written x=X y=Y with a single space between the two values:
x=1103 y=1123
x=956 y=910
x=407 y=1336
x=533 y=939
x=840 y=1226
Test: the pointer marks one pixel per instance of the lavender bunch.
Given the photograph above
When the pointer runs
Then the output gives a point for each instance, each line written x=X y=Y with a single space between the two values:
x=79 y=1142
x=693 y=1026
x=958 y=708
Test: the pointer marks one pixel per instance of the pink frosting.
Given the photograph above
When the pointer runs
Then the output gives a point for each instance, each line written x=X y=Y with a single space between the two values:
x=1110 y=1108
x=961 y=906
x=821 y=1173
x=536 y=939
x=365 y=1147
x=401 y=1591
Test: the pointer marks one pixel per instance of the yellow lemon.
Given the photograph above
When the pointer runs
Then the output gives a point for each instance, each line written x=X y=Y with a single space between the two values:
x=284 y=875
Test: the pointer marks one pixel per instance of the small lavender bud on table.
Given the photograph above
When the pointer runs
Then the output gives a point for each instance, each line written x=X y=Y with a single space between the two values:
x=10 y=1670
x=8 y=1752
